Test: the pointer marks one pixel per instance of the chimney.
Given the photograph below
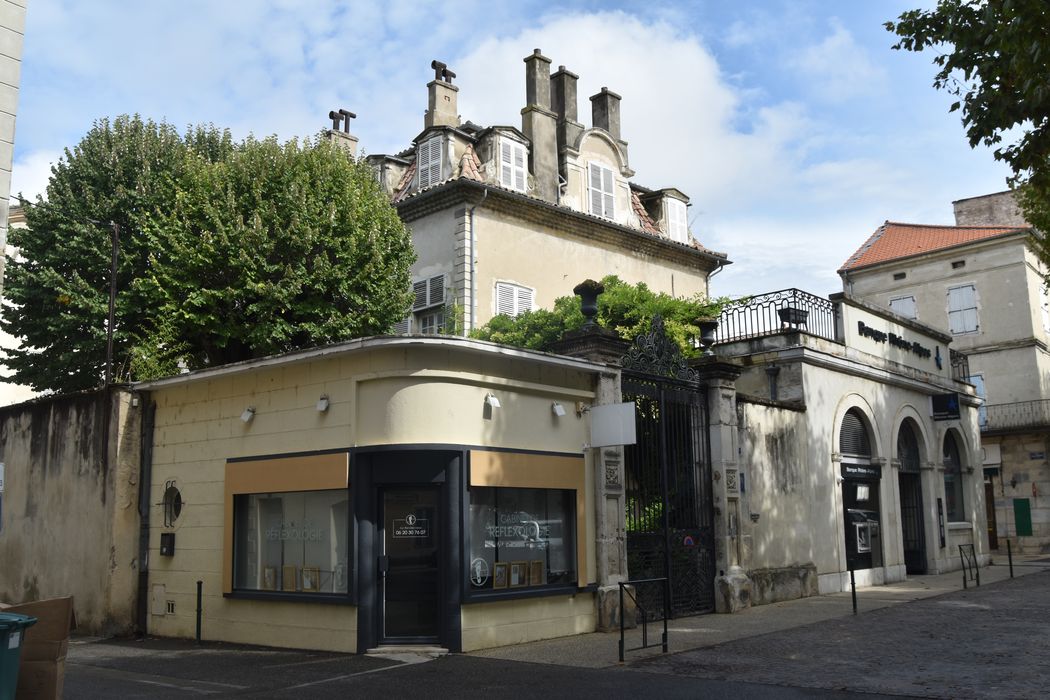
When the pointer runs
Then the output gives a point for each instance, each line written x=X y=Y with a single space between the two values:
x=339 y=134
x=605 y=112
x=539 y=124
x=563 y=102
x=441 y=98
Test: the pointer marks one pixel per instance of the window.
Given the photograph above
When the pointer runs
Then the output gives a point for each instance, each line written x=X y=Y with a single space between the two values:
x=908 y=448
x=432 y=322
x=428 y=292
x=958 y=264
x=521 y=537
x=600 y=189
x=293 y=542
x=899 y=275
x=512 y=299
x=512 y=164
x=853 y=435
x=903 y=306
x=962 y=309
x=402 y=327
x=953 y=486
x=677 y=222
x=428 y=162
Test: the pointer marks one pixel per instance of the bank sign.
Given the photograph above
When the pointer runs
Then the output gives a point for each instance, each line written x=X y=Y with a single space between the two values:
x=912 y=346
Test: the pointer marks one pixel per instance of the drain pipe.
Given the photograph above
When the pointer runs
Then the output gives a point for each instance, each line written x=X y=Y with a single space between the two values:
x=473 y=243
x=149 y=412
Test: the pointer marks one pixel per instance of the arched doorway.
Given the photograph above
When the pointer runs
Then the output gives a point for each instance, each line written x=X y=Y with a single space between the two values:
x=860 y=493
x=912 y=531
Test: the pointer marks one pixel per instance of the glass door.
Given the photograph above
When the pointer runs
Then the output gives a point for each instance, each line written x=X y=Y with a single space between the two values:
x=409 y=567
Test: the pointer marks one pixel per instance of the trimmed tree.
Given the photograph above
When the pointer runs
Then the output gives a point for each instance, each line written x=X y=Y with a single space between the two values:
x=228 y=251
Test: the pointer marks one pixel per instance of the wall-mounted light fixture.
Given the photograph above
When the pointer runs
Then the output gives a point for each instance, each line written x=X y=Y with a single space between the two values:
x=491 y=401
x=557 y=409
x=248 y=414
x=322 y=403
x=581 y=408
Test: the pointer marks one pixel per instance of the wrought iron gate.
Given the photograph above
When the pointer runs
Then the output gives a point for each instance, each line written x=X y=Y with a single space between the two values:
x=670 y=524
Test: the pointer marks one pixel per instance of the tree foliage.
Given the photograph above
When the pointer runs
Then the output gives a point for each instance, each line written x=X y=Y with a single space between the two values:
x=625 y=308
x=996 y=59
x=229 y=250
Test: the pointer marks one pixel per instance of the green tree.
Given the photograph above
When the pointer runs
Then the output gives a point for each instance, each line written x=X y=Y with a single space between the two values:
x=625 y=308
x=995 y=57
x=197 y=225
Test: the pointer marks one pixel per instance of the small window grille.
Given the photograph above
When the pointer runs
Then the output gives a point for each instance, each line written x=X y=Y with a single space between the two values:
x=958 y=263
x=899 y=275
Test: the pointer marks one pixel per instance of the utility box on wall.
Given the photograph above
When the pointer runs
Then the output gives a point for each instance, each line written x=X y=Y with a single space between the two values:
x=167 y=544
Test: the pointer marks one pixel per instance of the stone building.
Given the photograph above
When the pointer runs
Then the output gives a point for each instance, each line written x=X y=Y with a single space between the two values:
x=507 y=219
x=980 y=282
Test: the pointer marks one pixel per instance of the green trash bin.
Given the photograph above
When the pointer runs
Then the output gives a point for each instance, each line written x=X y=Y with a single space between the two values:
x=12 y=638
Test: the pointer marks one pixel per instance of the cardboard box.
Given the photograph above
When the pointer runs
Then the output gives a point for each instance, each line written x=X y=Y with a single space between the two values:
x=40 y=680
x=54 y=621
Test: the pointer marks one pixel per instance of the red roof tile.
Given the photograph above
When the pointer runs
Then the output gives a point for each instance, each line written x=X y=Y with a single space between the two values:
x=893 y=241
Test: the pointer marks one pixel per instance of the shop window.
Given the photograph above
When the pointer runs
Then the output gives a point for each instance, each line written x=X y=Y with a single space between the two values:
x=953 y=480
x=522 y=538
x=293 y=542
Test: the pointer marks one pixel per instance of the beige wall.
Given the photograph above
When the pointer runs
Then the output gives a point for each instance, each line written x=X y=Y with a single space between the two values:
x=408 y=393
x=70 y=522
x=507 y=622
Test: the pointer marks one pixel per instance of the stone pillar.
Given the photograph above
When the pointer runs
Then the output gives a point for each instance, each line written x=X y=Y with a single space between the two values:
x=564 y=104
x=597 y=344
x=732 y=544
x=441 y=104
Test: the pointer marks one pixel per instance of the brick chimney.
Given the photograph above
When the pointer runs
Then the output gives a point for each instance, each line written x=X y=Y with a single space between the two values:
x=539 y=124
x=339 y=134
x=563 y=101
x=441 y=98
x=605 y=114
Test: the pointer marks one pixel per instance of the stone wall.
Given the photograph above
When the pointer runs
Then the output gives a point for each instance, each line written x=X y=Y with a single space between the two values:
x=999 y=209
x=69 y=523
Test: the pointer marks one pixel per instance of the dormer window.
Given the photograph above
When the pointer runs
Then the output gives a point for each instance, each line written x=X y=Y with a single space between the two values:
x=428 y=162
x=512 y=165
x=677 y=220
x=600 y=191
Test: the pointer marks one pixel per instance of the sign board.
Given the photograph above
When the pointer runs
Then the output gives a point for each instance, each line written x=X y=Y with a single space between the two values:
x=861 y=471
x=411 y=526
x=612 y=424
x=945 y=406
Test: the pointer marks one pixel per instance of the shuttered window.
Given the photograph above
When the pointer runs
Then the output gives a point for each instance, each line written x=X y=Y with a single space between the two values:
x=402 y=327
x=512 y=165
x=962 y=309
x=903 y=306
x=601 y=191
x=853 y=436
x=428 y=292
x=512 y=299
x=677 y=223
x=428 y=162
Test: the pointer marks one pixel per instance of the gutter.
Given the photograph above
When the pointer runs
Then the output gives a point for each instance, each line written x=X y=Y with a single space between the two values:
x=149 y=413
x=473 y=243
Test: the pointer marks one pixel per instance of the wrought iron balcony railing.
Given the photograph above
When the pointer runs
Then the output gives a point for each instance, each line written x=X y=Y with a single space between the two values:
x=788 y=309
x=1015 y=416
x=960 y=365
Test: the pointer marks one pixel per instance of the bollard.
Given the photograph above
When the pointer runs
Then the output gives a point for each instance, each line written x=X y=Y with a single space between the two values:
x=1010 y=557
x=199 y=585
x=853 y=589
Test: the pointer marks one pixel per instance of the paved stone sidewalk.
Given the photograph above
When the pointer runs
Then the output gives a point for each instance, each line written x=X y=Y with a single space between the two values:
x=987 y=642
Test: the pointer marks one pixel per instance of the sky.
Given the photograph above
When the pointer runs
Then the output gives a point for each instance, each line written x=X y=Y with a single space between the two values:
x=792 y=125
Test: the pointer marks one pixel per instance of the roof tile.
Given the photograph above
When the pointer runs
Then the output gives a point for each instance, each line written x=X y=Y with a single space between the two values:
x=893 y=241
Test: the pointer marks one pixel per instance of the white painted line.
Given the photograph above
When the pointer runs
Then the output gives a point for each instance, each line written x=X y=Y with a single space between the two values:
x=200 y=691
x=351 y=675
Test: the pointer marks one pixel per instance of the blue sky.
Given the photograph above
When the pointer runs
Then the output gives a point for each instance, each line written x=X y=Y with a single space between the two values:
x=792 y=125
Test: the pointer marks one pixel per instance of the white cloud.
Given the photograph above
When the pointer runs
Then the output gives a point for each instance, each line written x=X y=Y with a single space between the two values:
x=839 y=68
x=30 y=174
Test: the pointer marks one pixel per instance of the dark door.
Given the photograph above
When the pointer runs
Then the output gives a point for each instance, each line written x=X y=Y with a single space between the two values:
x=989 y=512
x=911 y=523
x=409 y=568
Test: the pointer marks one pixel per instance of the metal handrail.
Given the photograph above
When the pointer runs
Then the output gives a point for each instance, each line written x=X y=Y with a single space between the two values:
x=645 y=616
x=971 y=572
x=960 y=365
x=775 y=312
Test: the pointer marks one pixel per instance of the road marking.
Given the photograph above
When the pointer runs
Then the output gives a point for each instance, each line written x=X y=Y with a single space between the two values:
x=351 y=675
x=178 y=687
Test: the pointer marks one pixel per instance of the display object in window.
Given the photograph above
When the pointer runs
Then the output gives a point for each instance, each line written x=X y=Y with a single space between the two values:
x=293 y=542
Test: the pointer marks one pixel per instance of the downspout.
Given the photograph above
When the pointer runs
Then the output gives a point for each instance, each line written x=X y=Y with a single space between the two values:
x=149 y=412
x=473 y=243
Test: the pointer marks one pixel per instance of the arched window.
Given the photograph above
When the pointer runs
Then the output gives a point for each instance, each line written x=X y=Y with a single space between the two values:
x=853 y=436
x=908 y=448
x=953 y=485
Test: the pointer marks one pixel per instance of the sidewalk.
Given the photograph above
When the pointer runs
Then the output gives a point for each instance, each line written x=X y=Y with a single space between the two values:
x=600 y=649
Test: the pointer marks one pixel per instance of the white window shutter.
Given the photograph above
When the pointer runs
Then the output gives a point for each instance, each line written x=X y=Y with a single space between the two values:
x=428 y=162
x=519 y=167
x=506 y=160
x=524 y=300
x=608 y=193
x=596 y=189
x=504 y=299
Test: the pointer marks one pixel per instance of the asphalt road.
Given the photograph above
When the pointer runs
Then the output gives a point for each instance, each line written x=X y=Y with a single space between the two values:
x=983 y=642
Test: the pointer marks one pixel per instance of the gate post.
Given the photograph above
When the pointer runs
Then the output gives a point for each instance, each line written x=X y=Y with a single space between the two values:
x=732 y=586
x=597 y=344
